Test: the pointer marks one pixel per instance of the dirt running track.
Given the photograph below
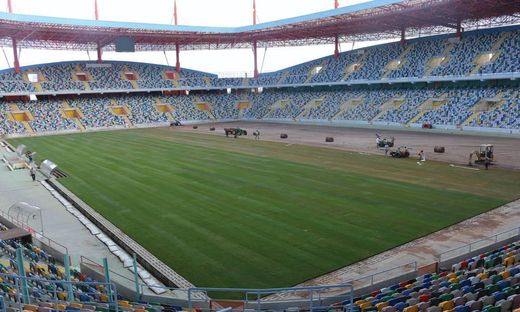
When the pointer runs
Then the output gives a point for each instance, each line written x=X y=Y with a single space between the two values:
x=423 y=251
x=458 y=146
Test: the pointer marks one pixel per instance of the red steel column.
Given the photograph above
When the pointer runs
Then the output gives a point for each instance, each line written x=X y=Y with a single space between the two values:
x=403 y=38
x=177 y=47
x=177 y=55
x=99 y=54
x=96 y=13
x=15 y=56
x=336 y=40
x=255 y=73
x=459 y=31
x=255 y=58
x=15 y=47
x=99 y=48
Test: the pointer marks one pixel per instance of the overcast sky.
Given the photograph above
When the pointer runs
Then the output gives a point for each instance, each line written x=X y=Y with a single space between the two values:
x=190 y=12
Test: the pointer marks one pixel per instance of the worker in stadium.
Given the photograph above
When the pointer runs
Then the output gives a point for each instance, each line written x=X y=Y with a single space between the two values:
x=422 y=157
x=32 y=172
x=257 y=134
x=387 y=149
x=377 y=140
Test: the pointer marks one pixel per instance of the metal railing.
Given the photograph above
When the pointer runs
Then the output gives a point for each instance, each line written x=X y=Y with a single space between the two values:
x=478 y=244
x=310 y=297
x=381 y=276
x=53 y=289
x=35 y=234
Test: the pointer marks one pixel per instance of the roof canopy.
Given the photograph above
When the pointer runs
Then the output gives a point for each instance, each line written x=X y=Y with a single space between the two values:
x=379 y=19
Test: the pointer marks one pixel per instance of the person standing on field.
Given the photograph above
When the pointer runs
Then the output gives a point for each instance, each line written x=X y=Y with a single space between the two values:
x=32 y=171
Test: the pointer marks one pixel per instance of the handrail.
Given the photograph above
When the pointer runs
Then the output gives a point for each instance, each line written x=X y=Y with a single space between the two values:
x=111 y=288
x=371 y=276
x=259 y=292
x=35 y=234
x=99 y=266
x=469 y=247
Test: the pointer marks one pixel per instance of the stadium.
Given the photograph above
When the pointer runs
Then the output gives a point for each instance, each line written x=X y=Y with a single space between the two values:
x=380 y=178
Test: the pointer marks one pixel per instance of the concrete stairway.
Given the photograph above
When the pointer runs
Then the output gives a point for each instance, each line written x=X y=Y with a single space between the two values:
x=314 y=103
x=481 y=59
x=351 y=68
x=65 y=106
x=438 y=60
x=14 y=107
x=348 y=105
x=312 y=72
x=397 y=63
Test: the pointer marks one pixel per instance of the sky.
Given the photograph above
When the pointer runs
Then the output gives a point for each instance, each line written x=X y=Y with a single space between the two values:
x=190 y=12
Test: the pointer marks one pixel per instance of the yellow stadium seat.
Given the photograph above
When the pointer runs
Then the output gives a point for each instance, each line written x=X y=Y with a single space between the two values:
x=505 y=274
x=509 y=261
x=413 y=308
x=381 y=305
x=30 y=307
x=62 y=296
x=365 y=306
x=453 y=280
x=447 y=305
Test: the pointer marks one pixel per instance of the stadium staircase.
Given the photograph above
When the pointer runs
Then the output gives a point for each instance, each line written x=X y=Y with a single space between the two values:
x=312 y=72
x=427 y=106
x=483 y=106
x=283 y=77
x=65 y=106
x=438 y=60
x=276 y=105
x=314 y=103
x=37 y=85
x=134 y=83
x=245 y=81
x=25 y=124
x=348 y=105
x=397 y=63
x=393 y=103
x=162 y=108
x=242 y=105
x=124 y=112
x=208 y=81
x=495 y=50
x=86 y=85
x=204 y=106
x=351 y=68
x=174 y=81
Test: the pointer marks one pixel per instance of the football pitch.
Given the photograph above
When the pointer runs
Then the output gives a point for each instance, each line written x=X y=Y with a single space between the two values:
x=227 y=212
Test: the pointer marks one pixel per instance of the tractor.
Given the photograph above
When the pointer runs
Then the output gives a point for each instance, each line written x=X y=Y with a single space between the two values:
x=386 y=141
x=234 y=132
x=485 y=152
x=401 y=152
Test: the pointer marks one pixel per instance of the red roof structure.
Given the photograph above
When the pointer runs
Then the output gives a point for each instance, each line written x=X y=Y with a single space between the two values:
x=374 y=20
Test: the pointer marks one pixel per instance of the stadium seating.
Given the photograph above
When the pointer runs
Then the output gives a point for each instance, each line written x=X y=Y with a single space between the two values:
x=59 y=77
x=96 y=115
x=366 y=105
x=142 y=109
x=47 y=116
x=387 y=61
x=487 y=282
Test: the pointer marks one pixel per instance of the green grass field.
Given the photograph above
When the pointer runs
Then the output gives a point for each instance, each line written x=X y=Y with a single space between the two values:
x=243 y=213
